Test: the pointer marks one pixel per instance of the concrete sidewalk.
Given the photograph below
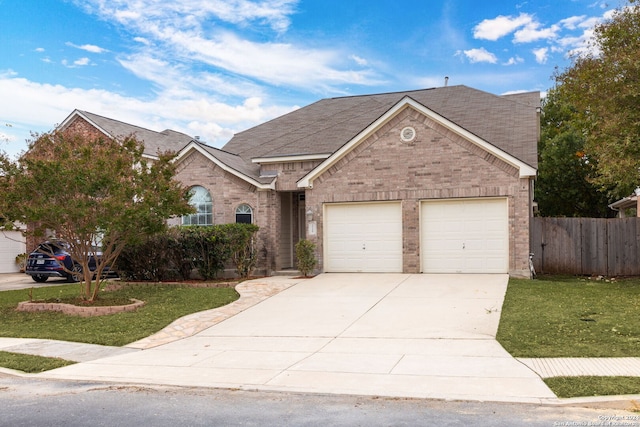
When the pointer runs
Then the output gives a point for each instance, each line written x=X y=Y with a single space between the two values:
x=392 y=335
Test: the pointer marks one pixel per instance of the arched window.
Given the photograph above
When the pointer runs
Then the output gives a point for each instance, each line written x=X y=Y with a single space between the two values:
x=244 y=214
x=201 y=200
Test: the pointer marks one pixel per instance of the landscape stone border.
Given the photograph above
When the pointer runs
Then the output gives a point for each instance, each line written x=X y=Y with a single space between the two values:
x=76 y=310
x=89 y=311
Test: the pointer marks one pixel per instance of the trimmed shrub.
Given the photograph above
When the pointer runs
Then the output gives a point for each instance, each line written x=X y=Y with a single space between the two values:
x=305 y=252
x=242 y=247
x=206 y=247
x=174 y=253
x=149 y=259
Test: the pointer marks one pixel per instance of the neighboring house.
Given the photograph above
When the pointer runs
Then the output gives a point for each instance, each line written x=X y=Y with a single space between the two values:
x=626 y=204
x=435 y=181
x=93 y=125
x=12 y=244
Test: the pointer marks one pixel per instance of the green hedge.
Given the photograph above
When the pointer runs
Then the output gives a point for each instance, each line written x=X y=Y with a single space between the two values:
x=173 y=255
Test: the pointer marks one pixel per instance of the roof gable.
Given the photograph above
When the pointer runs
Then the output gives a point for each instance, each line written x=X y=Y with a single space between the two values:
x=154 y=142
x=524 y=169
x=230 y=163
x=510 y=122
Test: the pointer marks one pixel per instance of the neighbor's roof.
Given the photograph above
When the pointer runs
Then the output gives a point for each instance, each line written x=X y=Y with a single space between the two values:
x=625 y=203
x=508 y=122
x=154 y=142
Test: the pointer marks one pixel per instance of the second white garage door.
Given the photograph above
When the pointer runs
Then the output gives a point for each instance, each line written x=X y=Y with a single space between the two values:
x=363 y=237
x=465 y=236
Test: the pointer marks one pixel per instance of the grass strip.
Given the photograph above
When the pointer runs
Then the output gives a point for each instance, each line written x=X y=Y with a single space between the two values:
x=164 y=303
x=571 y=317
x=31 y=364
x=566 y=387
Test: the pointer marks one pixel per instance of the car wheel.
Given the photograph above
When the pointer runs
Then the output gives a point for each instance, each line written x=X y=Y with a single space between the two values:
x=39 y=278
x=76 y=274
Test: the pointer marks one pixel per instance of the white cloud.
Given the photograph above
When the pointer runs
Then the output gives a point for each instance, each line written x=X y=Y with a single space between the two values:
x=514 y=60
x=142 y=40
x=44 y=106
x=493 y=29
x=582 y=44
x=188 y=14
x=80 y=62
x=572 y=22
x=175 y=79
x=541 y=54
x=39 y=49
x=561 y=37
x=88 y=47
x=532 y=32
x=480 y=55
x=525 y=27
x=189 y=32
x=358 y=60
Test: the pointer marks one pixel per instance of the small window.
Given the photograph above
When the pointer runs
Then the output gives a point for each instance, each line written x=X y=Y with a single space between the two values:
x=244 y=214
x=201 y=200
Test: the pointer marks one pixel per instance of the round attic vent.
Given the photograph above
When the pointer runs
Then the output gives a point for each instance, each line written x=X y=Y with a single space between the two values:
x=408 y=134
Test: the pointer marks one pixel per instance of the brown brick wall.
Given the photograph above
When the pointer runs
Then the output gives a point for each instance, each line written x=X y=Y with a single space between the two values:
x=290 y=173
x=84 y=128
x=227 y=193
x=438 y=164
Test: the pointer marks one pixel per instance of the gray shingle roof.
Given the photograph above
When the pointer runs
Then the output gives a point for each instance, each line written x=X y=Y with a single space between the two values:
x=508 y=122
x=237 y=163
x=154 y=142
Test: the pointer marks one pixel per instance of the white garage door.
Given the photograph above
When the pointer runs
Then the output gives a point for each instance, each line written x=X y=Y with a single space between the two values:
x=363 y=237
x=11 y=244
x=465 y=236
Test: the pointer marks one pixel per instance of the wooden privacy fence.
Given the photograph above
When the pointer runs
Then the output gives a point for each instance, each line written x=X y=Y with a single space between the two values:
x=586 y=246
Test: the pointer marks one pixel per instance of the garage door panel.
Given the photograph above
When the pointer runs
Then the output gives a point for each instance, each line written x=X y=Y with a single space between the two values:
x=464 y=236
x=12 y=243
x=363 y=237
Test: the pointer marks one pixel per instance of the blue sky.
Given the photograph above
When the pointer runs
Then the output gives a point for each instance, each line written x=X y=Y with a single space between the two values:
x=216 y=67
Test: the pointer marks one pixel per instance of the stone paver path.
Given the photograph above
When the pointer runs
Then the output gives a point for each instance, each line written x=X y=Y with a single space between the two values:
x=251 y=293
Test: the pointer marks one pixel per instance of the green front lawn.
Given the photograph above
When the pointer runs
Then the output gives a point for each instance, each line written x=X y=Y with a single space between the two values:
x=574 y=317
x=164 y=303
x=571 y=317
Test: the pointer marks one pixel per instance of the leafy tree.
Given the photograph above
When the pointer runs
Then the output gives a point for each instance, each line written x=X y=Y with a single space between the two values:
x=564 y=186
x=91 y=193
x=604 y=87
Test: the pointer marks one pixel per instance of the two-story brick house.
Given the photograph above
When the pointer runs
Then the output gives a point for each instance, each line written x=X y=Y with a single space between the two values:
x=437 y=180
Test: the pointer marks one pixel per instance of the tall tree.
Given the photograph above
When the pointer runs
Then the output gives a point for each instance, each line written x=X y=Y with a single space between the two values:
x=564 y=186
x=90 y=192
x=604 y=87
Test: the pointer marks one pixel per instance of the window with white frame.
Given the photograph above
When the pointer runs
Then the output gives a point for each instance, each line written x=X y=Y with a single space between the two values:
x=244 y=214
x=201 y=200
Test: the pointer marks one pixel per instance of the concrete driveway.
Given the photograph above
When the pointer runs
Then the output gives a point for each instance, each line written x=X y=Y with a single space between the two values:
x=425 y=336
